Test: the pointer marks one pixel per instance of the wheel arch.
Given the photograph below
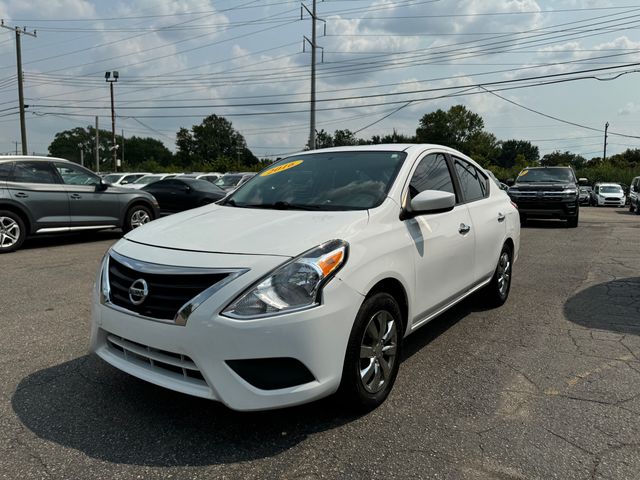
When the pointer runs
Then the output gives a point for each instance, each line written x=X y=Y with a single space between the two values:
x=22 y=212
x=139 y=201
x=396 y=289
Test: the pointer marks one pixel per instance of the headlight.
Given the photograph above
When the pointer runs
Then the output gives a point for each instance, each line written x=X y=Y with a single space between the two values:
x=296 y=285
x=569 y=191
x=104 y=279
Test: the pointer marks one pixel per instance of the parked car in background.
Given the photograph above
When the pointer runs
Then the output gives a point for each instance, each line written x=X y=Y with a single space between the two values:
x=210 y=177
x=150 y=178
x=608 y=195
x=547 y=192
x=120 y=179
x=231 y=181
x=306 y=280
x=584 y=195
x=178 y=194
x=634 y=196
x=50 y=195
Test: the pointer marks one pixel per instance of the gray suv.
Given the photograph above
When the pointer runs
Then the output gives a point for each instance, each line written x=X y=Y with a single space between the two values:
x=48 y=195
x=634 y=196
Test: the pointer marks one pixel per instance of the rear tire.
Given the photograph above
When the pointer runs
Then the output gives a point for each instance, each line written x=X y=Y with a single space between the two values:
x=373 y=353
x=497 y=291
x=12 y=231
x=637 y=207
x=137 y=216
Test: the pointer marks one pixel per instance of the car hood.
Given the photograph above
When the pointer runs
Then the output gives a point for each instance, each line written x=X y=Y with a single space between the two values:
x=225 y=229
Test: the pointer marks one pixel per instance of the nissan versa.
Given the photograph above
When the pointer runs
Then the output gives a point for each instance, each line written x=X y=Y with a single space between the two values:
x=306 y=279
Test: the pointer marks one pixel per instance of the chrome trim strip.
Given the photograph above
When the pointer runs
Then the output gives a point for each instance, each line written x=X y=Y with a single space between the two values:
x=73 y=229
x=441 y=310
x=156 y=268
x=189 y=307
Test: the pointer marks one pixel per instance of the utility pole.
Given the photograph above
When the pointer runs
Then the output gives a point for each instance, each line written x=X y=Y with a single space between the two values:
x=81 y=154
x=314 y=46
x=97 y=147
x=122 y=141
x=606 y=127
x=114 y=146
x=16 y=147
x=23 y=129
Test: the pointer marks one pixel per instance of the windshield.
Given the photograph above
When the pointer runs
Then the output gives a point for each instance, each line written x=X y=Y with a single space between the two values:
x=147 y=179
x=353 y=180
x=228 y=181
x=610 y=189
x=553 y=175
x=111 y=178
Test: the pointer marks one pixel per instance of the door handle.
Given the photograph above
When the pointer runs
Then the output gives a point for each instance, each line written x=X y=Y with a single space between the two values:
x=501 y=217
x=76 y=196
x=21 y=195
x=464 y=229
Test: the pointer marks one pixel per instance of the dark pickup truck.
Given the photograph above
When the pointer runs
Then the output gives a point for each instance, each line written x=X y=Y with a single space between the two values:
x=547 y=192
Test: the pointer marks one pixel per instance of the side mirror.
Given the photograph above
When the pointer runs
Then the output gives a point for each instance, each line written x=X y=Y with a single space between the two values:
x=429 y=201
x=102 y=186
x=186 y=188
x=510 y=181
x=124 y=182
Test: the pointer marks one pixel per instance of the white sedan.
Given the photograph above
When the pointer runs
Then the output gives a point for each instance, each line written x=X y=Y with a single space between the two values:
x=305 y=281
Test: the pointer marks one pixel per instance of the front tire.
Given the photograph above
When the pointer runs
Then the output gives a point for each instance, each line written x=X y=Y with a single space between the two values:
x=12 y=231
x=497 y=291
x=373 y=352
x=137 y=216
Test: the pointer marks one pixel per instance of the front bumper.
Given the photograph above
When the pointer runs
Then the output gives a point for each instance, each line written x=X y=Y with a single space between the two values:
x=610 y=201
x=548 y=209
x=193 y=358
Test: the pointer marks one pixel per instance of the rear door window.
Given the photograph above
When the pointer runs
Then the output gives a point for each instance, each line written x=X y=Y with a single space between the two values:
x=473 y=183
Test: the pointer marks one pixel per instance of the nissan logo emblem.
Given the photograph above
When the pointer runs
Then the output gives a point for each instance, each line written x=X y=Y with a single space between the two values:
x=138 y=291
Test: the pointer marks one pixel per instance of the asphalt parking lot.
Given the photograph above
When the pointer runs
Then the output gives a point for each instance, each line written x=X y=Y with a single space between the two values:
x=546 y=387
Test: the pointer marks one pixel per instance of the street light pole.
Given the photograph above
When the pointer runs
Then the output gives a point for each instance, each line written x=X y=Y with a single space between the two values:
x=114 y=147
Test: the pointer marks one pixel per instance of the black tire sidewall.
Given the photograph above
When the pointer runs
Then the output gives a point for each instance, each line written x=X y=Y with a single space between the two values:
x=351 y=385
x=23 y=230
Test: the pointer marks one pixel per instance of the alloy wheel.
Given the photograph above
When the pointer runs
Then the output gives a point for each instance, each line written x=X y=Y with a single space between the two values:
x=378 y=351
x=504 y=273
x=139 y=218
x=9 y=232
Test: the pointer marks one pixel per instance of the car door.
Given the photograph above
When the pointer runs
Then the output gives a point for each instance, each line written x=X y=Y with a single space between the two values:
x=90 y=204
x=487 y=216
x=161 y=190
x=445 y=247
x=183 y=196
x=36 y=186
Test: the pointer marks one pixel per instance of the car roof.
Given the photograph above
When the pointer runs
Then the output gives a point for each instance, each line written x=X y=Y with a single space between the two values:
x=13 y=158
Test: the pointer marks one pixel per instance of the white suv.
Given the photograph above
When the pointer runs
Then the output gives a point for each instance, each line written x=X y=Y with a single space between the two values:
x=609 y=195
x=306 y=279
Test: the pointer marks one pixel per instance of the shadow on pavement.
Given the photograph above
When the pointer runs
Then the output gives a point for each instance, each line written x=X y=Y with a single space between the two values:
x=613 y=306
x=544 y=223
x=56 y=240
x=89 y=406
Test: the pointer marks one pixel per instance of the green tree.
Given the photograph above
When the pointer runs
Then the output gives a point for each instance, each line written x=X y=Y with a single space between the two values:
x=213 y=140
x=562 y=158
x=510 y=149
x=453 y=128
x=138 y=150
x=483 y=147
x=67 y=145
x=343 y=138
x=324 y=139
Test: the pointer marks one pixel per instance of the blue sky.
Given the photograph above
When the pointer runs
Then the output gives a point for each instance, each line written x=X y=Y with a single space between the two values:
x=182 y=60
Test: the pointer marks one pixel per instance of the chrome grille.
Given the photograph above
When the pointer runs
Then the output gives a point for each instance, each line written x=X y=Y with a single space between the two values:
x=175 y=365
x=167 y=292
